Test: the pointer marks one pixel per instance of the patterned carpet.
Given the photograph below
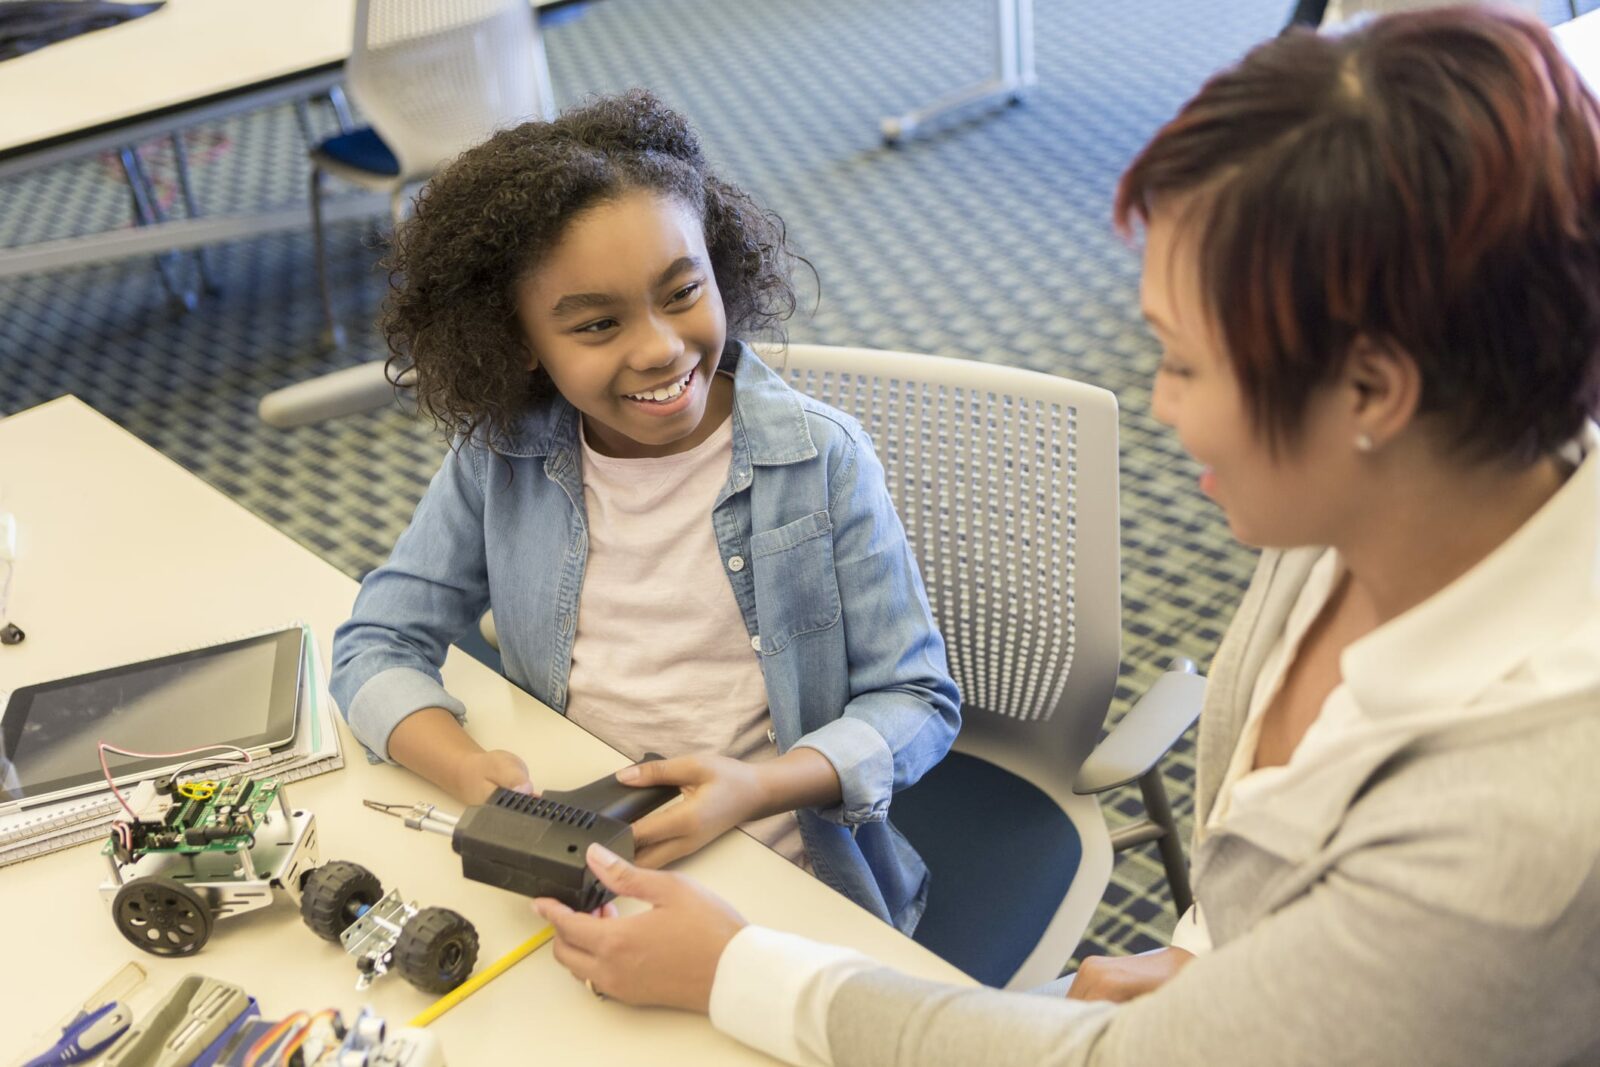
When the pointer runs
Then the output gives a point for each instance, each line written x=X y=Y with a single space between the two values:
x=988 y=239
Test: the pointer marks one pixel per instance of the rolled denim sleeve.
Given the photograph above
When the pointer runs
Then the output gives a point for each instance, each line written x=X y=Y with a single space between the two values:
x=434 y=586
x=904 y=708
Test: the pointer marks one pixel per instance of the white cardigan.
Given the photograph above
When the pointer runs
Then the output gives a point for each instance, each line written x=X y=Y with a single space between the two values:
x=1428 y=892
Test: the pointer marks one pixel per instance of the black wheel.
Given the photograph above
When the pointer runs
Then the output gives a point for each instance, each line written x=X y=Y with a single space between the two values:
x=335 y=895
x=164 y=918
x=436 y=950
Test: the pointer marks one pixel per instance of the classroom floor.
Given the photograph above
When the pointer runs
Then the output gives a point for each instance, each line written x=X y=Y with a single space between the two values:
x=989 y=239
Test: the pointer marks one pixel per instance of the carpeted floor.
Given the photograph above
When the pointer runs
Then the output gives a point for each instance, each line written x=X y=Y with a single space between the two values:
x=988 y=239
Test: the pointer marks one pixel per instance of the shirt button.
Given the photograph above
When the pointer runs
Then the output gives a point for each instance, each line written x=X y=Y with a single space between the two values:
x=772 y=736
x=755 y=642
x=736 y=563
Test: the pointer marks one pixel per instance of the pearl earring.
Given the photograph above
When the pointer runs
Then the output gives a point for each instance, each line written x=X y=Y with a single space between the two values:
x=1364 y=442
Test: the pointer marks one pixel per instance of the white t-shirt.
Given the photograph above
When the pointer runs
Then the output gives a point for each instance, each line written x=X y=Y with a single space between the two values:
x=661 y=661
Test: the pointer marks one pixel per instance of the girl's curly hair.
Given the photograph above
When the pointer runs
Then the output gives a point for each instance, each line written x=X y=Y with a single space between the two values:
x=491 y=216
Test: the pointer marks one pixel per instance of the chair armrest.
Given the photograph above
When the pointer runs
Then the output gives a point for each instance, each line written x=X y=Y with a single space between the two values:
x=486 y=628
x=1150 y=728
x=349 y=391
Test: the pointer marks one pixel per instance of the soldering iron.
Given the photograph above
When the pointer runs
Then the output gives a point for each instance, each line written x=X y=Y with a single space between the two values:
x=535 y=846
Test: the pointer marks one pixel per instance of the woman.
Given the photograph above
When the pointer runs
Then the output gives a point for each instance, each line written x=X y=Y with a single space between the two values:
x=1373 y=262
x=1326 y=13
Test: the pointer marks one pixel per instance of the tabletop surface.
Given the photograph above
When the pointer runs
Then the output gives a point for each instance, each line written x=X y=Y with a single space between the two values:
x=188 y=50
x=123 y=555
x=1580 y=39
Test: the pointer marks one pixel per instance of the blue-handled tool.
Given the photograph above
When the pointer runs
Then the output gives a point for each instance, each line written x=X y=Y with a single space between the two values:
x=87 y=1035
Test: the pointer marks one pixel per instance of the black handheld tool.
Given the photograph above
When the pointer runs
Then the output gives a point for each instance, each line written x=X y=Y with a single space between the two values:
x=536 y=845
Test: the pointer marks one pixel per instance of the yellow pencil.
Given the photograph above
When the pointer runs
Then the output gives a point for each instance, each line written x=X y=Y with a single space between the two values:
x=482 y=978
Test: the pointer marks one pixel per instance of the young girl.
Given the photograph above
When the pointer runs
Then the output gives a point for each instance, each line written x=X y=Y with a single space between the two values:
x=683 y=555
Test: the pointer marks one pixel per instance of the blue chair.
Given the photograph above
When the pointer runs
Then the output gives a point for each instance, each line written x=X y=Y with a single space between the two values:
x=434 y=77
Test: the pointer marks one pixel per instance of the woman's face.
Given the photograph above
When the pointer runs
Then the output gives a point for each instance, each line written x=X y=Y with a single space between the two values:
x=1306 y=495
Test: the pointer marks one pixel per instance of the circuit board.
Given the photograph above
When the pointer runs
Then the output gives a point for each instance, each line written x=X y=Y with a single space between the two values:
x=204 y=816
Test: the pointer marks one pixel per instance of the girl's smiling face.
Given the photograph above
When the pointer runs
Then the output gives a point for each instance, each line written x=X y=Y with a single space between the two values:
x=625 y=317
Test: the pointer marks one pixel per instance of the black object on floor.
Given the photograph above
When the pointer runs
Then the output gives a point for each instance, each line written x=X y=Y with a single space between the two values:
x=28 y=25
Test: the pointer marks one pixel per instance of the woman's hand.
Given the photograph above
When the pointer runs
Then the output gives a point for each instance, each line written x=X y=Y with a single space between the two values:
x=719 y=793
x=1121 y=978
x=478 y=774
x=666 y=956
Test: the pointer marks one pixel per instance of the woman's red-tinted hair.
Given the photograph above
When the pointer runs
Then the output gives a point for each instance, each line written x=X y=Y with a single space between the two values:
x=1430 y=182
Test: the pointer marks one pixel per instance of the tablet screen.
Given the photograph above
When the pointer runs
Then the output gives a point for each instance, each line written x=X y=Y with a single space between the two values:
x=242 y=693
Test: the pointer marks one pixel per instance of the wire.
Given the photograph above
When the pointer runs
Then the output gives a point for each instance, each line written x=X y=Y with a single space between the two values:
x=105 y=768
x=209 y=759
x=268 y=1039
x=305 y=1032
x=204 y=789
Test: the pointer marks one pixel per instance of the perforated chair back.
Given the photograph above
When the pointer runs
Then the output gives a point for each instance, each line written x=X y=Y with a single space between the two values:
x=438 y=76
x=1006 y=481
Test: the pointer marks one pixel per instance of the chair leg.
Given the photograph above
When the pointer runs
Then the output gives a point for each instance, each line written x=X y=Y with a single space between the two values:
x=180 y=156
x=399 y=205
x=147 y=212
x=341 y=109
x=332 y=332
x=308 y=129
x=1307 y=13
x=1160 y=813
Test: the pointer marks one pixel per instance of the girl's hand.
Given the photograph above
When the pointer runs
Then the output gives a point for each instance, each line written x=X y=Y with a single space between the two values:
x=1121 y=978
x=719 y=793
x=666 y=956
x=479 y=774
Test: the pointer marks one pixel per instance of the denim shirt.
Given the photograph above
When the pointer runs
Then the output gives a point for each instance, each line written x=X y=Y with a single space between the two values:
x=831 y=598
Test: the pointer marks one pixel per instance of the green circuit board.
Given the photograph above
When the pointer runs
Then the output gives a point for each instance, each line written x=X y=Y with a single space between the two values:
x=223 y=821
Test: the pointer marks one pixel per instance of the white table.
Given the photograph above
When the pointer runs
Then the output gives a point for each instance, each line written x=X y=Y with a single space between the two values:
x=190 y=62
x=121 y=555
x=1580 y=40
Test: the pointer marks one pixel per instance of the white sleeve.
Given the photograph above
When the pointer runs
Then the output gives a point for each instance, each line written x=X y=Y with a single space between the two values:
x=1191 y=934
x=772 y=991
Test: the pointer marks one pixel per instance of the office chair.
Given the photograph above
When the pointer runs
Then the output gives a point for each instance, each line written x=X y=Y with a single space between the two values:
x=1006 y=481
x=434 y=77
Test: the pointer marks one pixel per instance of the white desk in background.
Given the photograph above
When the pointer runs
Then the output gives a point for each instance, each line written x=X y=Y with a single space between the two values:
x=123 y=555
x=1580 y=40
x=192 y=61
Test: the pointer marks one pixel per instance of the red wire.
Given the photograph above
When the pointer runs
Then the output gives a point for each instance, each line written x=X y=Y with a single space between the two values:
x=266 y=1040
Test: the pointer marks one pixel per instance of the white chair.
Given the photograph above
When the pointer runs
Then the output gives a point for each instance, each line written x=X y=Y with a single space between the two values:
x=434 y=77
x=1006 y=482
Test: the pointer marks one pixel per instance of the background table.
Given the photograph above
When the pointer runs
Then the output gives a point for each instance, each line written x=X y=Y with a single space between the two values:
x=1580 y=39
x=124 y=555
x=189 y=62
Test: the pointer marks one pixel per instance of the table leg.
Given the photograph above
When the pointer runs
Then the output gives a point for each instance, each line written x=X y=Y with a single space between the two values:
x=147 y=212
x=180 y=155
x=1014 y=72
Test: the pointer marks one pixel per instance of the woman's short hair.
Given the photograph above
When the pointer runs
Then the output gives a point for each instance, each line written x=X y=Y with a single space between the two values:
x=1429 y=182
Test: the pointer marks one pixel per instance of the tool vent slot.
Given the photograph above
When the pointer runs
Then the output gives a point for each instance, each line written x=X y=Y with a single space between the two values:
x=550 y=810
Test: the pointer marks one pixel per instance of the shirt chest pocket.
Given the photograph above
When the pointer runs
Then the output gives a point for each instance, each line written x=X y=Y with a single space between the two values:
x=797 y=591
